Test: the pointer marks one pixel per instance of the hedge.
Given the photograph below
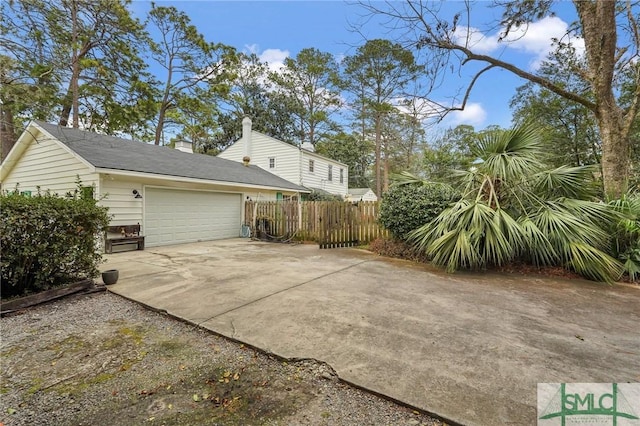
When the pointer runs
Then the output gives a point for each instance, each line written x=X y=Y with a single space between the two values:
x=48 y=241
x=409 y=206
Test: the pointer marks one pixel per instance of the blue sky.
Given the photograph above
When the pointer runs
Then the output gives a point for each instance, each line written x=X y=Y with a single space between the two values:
x=277 y=29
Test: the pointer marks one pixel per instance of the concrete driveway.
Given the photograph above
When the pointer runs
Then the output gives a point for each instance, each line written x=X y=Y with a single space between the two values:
x=470 y=348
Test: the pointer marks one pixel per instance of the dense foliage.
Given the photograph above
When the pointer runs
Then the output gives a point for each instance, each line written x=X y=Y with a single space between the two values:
x=316 y=195
x=48 y=241
x=514 y=207
x=405 y=208
x=626 y=234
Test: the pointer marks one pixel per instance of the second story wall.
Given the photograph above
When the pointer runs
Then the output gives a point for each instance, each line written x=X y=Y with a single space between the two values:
x=291 y=163
x=322 y=173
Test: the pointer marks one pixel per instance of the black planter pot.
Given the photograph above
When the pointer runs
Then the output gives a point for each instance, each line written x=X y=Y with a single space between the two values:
x=110 y=277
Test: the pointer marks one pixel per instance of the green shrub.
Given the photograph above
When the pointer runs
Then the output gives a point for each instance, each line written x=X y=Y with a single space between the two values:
x=408 y=207
x=316 y=195
x=516 y=208
x=48 y=241
x=626 y=234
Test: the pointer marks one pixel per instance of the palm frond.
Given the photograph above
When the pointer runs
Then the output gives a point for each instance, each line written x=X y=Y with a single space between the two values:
x=565 y=181
x=593 y=263
x=510 y=154
x=408 y=178
x=455 y=250
x=502 y=239
x=538 y=247
x=562 y=227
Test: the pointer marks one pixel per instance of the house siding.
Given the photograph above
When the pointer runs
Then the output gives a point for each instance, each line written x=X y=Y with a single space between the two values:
x=116 y=193
x=369 y=196
x=118 y=196
x=291 y=163
x=46 y=164
x=320 y=176
x=287 y=157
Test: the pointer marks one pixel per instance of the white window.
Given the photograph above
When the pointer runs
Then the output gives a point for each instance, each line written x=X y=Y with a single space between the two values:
x=341 y=175
x=330 y=176
x=272 y=162
x=311 y=164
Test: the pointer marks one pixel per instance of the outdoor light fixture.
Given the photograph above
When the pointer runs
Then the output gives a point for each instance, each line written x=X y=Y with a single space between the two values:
x=136 y=194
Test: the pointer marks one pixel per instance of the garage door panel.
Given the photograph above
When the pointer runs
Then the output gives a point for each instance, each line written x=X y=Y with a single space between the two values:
x=175 y=216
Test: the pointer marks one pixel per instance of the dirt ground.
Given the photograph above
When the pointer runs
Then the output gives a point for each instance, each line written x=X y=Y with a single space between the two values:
x=102 y=360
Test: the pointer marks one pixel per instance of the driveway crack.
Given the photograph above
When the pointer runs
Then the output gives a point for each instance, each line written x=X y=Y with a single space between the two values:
x=259 y=299
x=233 y=327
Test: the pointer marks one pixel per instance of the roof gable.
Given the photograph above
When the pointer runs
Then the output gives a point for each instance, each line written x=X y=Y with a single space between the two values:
x=36 y=135
x=113 y=153
x=288 y=146
x=359 y=191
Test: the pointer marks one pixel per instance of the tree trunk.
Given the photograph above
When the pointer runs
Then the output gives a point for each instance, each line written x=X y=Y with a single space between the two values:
x=67 y=103
x=377 y=165
x=75 y=63
x=385 y=181
x=615 y=153
x=598 y=19
x=7 y=131
x=164 y=105
x=160 y=126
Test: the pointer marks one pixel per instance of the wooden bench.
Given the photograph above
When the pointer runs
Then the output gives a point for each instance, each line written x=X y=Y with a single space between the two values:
x=123 y=234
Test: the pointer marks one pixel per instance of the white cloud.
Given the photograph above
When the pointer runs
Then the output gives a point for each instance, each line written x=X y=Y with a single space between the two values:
x=534 y=38
x=475 y=40
x=473 y=115
x=428 y=111
x=273 y=57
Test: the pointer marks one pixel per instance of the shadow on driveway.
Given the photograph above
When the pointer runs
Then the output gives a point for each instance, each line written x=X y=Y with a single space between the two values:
x=469 y=348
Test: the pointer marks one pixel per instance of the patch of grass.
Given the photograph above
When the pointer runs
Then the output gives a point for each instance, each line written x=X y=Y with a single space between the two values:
x=71 y=343
x=10 y=351
x=170 y=347
x=36 y=385
x=135 y=333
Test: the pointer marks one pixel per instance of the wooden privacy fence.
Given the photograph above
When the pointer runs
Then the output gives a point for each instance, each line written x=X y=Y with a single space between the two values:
x=329 y=223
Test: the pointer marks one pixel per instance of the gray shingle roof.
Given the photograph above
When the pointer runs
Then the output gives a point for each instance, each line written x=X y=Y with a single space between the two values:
x=358 y=191
x=110 y=152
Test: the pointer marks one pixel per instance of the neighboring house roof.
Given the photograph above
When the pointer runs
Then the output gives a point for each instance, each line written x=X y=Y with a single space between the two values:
x=109 y=152
x=319 y=191
x=358 y=191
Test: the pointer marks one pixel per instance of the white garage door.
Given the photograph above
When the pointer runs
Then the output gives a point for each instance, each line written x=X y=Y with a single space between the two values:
x=174 y=216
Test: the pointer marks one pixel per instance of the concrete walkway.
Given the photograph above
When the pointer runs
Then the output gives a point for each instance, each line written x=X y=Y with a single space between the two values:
x=470 y=348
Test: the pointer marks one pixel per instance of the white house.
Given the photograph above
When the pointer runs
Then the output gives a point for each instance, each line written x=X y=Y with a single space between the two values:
x=299 y=165
x=175 y=195
x=361 y=194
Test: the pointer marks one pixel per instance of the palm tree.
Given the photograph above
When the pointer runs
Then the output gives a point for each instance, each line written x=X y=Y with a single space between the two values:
x=514 y=207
